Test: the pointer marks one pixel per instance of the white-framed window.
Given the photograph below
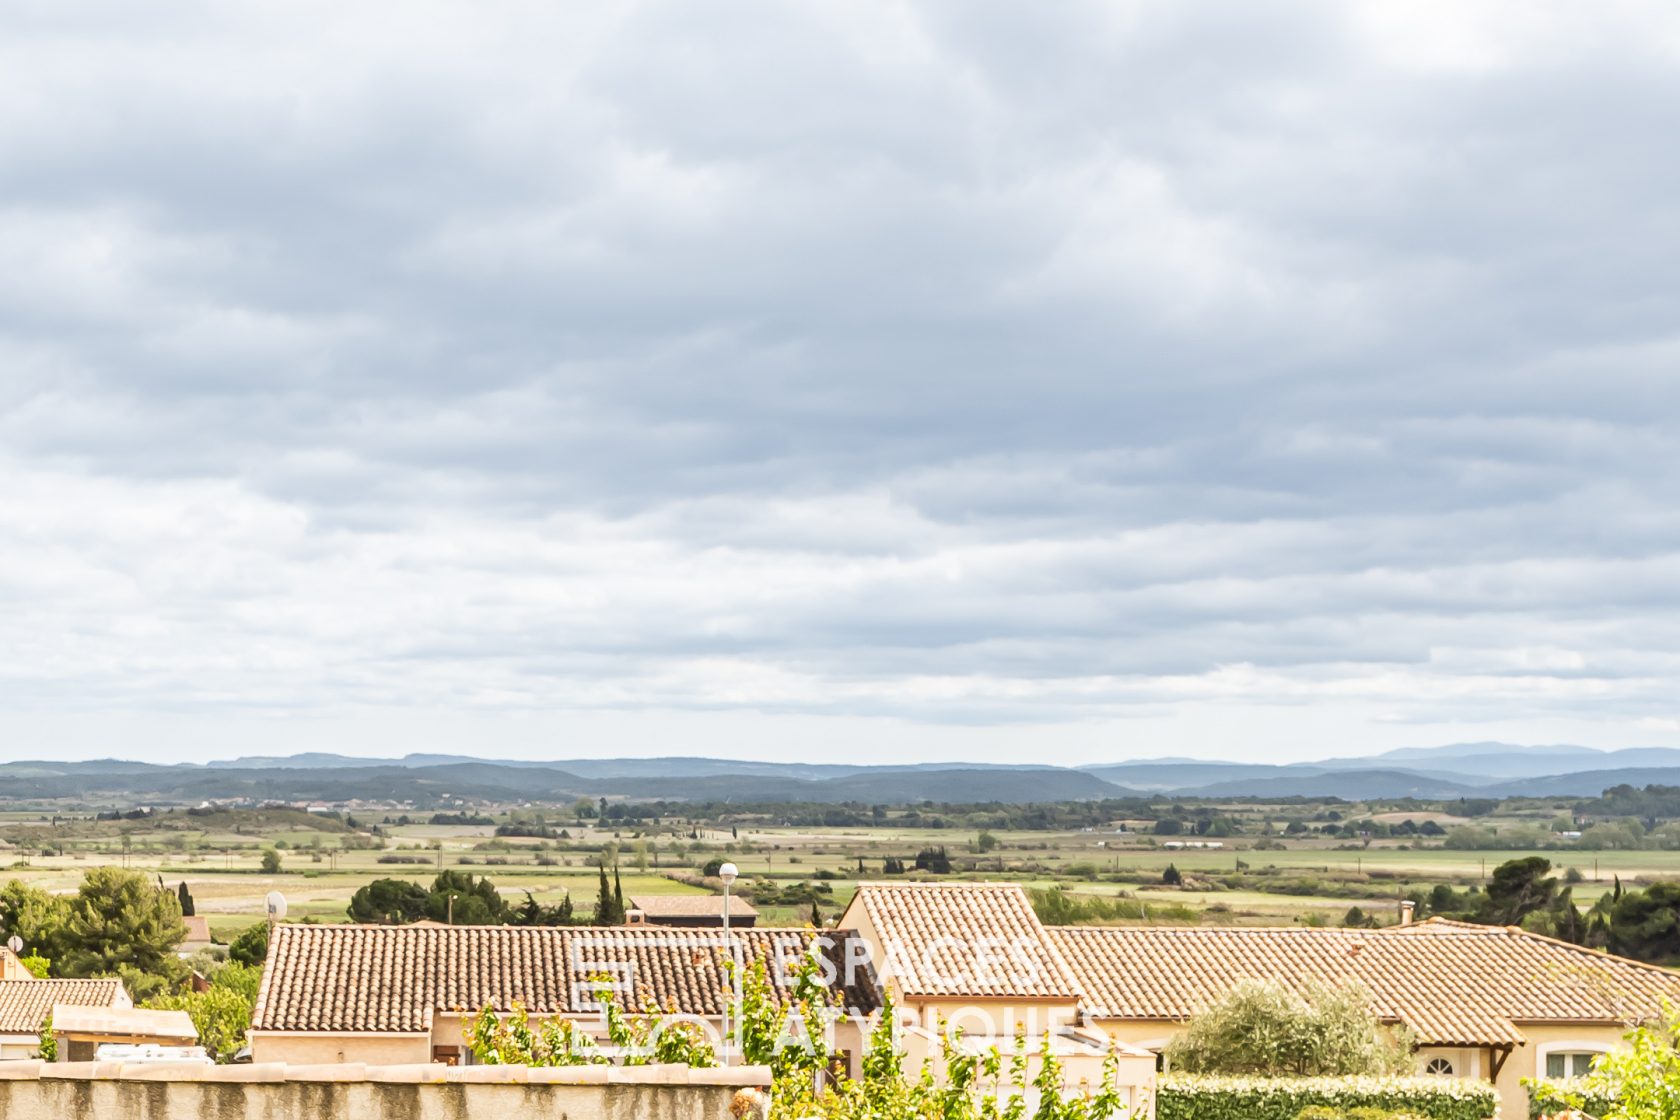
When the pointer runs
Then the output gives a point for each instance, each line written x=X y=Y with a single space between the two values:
x=1569 y=1063
x=1560 y=1061
x=1440 y=1067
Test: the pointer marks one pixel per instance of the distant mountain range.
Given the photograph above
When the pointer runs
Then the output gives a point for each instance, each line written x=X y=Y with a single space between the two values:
x=1457 y=770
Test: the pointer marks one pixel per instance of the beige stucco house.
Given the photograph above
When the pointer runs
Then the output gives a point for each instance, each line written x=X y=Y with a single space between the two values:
x=1483 y=1002
x=973 y=957
x=1488 y=1002
x=11 y=967
x=25 y=1004
x=388 y=995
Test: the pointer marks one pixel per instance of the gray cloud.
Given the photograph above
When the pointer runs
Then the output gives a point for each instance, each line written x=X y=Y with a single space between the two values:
x=1198 y=378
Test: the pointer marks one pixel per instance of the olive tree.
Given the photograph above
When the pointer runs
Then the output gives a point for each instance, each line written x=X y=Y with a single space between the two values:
x=1266 y=1028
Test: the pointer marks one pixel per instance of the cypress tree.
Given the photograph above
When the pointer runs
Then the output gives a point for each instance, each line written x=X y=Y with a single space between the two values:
x=187 y=910
x=604 y=901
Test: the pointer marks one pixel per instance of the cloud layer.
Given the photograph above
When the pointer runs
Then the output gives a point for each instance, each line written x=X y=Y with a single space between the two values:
x=1145 y=377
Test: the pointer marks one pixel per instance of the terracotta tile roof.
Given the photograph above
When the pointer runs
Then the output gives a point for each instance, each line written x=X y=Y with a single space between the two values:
x=971 y=940
x=1450 y=982
x=198 y=929
x=25 y=1003
x=396 y=978
x=691 y=906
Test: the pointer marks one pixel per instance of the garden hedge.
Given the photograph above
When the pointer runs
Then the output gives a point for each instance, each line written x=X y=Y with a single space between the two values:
x=1198 y=1097
x=1546 y=1098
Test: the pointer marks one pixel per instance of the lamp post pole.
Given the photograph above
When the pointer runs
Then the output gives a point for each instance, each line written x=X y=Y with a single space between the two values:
x=728 y=873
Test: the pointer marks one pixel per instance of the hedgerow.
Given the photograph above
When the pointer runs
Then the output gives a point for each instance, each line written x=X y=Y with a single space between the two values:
x=1197 y=1097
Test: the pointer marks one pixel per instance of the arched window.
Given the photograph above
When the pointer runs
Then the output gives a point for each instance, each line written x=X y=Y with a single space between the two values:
x=1439 y=1066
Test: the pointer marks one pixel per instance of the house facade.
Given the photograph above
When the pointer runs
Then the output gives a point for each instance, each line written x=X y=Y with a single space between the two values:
x=26 y=1003
x=974 y=958
x=1482 y=1002
x=972 y=955
x=1488 y=1002
x=393 y=995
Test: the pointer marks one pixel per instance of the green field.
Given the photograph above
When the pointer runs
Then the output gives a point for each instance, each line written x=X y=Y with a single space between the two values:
x=218 y=856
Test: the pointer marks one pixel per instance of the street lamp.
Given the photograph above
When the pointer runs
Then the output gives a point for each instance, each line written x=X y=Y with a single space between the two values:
x=728 y=873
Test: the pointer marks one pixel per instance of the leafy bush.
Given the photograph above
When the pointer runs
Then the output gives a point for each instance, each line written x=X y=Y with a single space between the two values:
x=222 y=1014
x=1548 y=1097
x=250 y=946
x=1636 y=1082
x=1325 y=1112
x=1056 y=906
x=1195 y=1097
x=789 y=1040
x=1263 y=1028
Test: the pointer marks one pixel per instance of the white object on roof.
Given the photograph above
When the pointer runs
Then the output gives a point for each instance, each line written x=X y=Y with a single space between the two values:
x=120 y=1022
x=151 y=1053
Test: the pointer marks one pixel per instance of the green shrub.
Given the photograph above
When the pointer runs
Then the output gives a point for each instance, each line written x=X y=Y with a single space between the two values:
x=1547 y=1097
x=48 y=1048
x=1266 y=1029
x=1196 y=1097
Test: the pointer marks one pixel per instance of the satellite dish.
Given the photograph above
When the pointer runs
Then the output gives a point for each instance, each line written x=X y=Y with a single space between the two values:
x=276 y=906
x=15 y=945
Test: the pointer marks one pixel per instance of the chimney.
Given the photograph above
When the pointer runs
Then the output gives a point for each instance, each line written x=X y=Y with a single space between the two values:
x=635 y=918
x=1407 y=908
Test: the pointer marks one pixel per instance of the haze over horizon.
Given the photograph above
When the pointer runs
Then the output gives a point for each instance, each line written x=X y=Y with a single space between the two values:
x=1427 y=758
x=882 y=382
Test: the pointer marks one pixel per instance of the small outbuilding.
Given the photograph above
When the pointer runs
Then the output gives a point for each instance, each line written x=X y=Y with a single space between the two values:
x=692 y=910
x=82 y=1030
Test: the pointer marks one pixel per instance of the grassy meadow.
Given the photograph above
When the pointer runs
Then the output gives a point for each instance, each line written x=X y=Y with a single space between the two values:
x=323 y=863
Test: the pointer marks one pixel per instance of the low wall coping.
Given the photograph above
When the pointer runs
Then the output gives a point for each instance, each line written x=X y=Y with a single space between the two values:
x=741 y=1077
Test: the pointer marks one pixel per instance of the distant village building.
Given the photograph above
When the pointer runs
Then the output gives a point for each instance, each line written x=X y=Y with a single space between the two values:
x=694 y=910
x=198 y=935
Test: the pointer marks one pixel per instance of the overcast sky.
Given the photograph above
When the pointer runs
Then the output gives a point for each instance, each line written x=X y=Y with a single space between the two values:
x=1059 y=382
